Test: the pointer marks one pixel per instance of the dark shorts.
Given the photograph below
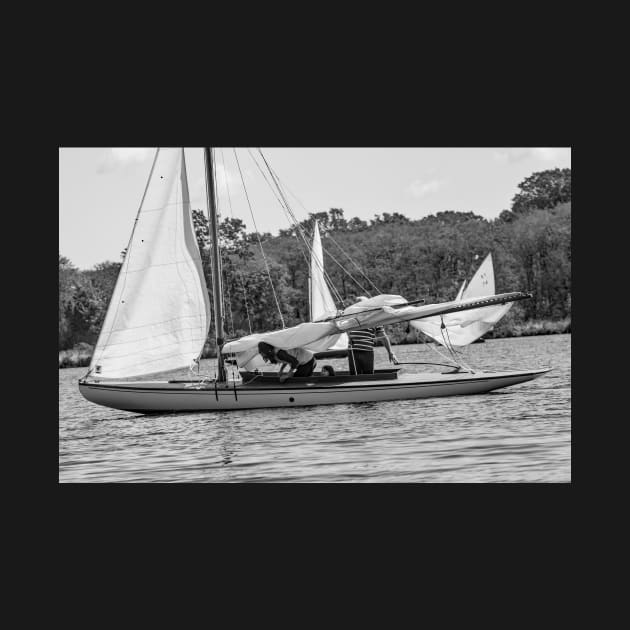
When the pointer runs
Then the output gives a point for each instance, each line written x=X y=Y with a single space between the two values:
x=361 y=361
x=305 y=369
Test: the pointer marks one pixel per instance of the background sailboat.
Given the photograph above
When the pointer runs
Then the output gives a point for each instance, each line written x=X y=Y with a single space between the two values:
x=462 y=329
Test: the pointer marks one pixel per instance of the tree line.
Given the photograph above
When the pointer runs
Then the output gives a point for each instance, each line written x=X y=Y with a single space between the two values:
x=426 y=258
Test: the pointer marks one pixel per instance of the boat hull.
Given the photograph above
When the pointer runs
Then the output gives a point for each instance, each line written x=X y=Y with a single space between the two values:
x=164 y=396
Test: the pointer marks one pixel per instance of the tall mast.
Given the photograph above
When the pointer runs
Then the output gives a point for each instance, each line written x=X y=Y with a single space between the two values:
x=217 y=289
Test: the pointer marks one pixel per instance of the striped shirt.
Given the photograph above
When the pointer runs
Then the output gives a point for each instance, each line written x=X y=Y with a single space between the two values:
x=364 y=339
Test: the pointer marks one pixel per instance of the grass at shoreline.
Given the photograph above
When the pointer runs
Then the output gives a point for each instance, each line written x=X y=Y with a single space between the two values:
x=81 y=354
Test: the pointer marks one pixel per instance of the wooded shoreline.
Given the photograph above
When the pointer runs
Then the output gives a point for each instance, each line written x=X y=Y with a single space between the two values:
x=428 y=258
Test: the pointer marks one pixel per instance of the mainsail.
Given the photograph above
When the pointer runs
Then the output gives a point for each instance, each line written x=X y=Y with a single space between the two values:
x=322 y=303
x=159 y=314
x=460 y=331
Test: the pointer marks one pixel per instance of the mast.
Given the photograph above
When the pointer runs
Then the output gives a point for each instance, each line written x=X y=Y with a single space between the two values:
x=217 y=289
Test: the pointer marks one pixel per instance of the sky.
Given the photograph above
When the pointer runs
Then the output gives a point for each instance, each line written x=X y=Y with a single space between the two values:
x=100 y=188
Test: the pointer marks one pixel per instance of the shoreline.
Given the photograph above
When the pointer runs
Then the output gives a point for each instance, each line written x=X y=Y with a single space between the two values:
x=81 y=355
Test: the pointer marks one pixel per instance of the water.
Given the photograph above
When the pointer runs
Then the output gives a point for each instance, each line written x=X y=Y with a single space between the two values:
x=518 y=434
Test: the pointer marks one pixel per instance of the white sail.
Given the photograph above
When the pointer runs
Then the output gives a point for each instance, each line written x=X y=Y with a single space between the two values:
x=159 y=314
x=478 y=322
x=460 y=293
x=322 y=303
x=463 y=333
x=482 y=283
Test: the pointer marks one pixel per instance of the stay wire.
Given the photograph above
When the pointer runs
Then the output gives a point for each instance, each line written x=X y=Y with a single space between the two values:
x=238 y=270
x=296 y=224
x=291 y=218
x=282 y=200
x=307 y=242
x=329 y=236
x=259 y=241
x=353 y=262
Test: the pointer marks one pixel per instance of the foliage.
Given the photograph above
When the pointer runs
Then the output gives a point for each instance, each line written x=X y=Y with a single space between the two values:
x=543 y=190
x=427 y=258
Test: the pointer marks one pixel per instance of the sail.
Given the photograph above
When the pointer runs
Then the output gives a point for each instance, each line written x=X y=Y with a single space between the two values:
x=479 y=321
x=463 y=332
x=322 y=303
x=460 y=293
x=379 y=310
x=159 y=314
x=482 y=283
x=314 y=336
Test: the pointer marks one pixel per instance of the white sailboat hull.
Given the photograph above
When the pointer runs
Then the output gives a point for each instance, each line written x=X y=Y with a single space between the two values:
x=164 y=396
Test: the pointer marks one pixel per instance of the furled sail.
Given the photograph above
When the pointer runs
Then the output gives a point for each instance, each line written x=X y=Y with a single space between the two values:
x=459 y=332
x=379 y=310
x=322 y=303
x=159 y=314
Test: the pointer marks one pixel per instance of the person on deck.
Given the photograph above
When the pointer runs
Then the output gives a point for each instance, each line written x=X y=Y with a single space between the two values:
x=361 y=348
x=302 y=361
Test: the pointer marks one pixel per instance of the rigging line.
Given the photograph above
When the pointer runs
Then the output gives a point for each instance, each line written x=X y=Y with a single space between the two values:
x=296 y=224
x=240 y=273
x=457 y=353
x=302 y=233
x=292 y=220
x=353 y=262
x=125 y=263
x=431 y=346
x=328 y=234
x=449 y=345
x=278 y=184
x=229 y=300
x=287 y=211
x=349 y=274
x=284 y=203
x=298 y=229
x=259 y=241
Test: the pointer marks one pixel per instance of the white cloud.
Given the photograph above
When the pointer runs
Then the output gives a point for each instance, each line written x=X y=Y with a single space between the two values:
x=116 y=157
x=546 y=154
x=131 y=154
x=549 y=154
x=419 y=188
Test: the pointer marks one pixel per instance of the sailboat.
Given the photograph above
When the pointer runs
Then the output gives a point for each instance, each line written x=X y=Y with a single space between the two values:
x=461 y=329
x=159 y=317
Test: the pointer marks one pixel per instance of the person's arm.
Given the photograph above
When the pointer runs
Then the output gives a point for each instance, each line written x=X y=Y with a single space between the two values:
x=287 y=359
x=385 y=340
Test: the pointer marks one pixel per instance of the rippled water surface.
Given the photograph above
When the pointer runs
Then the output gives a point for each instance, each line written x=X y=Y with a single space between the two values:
x=521 y=433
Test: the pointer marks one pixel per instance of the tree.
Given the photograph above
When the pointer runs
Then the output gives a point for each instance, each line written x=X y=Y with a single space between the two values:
x=543 y=190
x=67 y=299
